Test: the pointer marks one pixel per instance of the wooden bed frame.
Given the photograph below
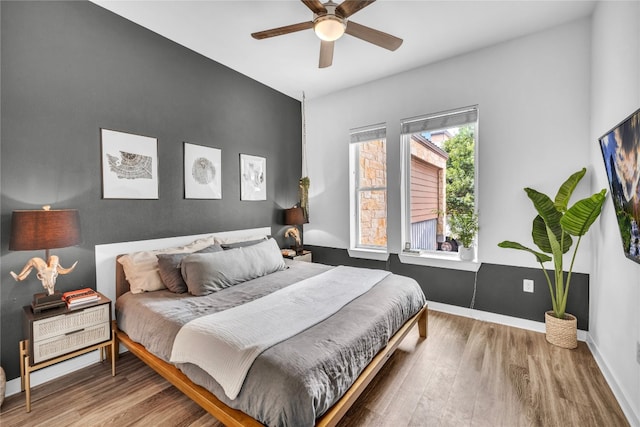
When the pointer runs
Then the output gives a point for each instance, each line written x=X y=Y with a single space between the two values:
x=233 y=417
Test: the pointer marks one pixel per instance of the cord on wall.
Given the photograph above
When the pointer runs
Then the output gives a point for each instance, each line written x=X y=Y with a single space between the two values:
x=305 y=169
x=475 y=285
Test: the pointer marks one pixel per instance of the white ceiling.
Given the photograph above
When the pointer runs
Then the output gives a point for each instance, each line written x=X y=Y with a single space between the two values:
x=432 y=30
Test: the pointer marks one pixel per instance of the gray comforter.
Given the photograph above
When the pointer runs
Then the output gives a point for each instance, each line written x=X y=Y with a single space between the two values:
x=297 y=380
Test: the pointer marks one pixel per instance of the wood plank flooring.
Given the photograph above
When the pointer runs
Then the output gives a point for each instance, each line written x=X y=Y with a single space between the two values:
x=466 y=373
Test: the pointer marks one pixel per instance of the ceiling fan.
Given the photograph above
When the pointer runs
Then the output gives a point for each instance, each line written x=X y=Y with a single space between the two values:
x=330 y=23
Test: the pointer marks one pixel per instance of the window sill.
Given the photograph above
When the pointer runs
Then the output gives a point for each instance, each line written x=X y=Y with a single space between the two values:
x=442 y=260
x=369 y=254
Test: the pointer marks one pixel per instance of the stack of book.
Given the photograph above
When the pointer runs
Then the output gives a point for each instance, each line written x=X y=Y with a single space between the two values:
x=79 y=297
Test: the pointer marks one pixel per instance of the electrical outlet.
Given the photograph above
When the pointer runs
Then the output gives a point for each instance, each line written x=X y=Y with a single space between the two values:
x=527 y=285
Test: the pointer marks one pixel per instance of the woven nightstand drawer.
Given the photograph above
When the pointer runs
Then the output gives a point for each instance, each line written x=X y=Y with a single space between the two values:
x=64 y=324
x=62 y=344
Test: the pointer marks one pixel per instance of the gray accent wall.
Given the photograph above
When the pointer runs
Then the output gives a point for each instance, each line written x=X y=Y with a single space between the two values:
x=71 y=68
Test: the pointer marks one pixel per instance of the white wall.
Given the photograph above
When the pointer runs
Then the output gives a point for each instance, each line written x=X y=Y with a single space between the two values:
x=615 y=282
x=533 y=97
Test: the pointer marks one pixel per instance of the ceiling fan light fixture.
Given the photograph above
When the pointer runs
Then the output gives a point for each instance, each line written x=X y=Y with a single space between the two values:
x=329 y=27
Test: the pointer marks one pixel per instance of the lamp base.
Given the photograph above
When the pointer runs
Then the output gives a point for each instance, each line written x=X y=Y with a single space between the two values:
x=299 y=250
x=43 y=301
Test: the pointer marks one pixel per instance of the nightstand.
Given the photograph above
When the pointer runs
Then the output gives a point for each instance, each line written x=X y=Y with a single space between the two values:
x=304 y=256
x=60 y=334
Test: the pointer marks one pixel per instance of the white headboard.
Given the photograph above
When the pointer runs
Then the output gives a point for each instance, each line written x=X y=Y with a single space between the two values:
x=106 y=254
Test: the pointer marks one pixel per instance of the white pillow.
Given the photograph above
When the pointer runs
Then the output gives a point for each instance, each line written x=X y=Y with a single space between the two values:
x=141 y=268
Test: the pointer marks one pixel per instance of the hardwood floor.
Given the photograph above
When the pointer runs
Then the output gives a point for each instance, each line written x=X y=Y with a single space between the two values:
x=467 y=373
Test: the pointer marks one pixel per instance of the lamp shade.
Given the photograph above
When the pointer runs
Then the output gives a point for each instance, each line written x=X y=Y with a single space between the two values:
x=294 y=216
x=44 y=229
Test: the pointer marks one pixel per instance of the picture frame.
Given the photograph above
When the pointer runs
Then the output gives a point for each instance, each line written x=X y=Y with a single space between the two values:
x=253 y=177
x=202 y=172
x=129 y=165
x=620 y=148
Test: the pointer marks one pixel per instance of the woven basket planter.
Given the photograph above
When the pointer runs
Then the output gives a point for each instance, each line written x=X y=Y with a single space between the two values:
x=561 y=332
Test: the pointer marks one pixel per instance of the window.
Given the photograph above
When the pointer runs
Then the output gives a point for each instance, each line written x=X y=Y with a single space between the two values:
x=368 y=184
x=438 y=177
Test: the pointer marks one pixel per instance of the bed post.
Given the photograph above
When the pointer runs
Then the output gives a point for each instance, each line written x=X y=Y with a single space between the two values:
x=423 y=322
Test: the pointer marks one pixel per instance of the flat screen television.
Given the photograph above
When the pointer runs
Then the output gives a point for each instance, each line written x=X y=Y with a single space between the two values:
x=621 y=153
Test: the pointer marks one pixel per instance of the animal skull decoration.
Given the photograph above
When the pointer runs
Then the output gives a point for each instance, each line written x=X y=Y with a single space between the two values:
x=293 y=232
x=47 y=273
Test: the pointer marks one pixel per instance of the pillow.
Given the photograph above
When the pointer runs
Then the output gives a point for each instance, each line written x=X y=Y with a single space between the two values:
x=234 y=239
x=169 y=269
x=208 y=273
x=242 y=244
x=141 y=268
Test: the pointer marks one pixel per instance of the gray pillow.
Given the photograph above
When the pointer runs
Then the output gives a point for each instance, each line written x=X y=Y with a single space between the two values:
x=208 y=273
x=236 y=245
x=169 y=268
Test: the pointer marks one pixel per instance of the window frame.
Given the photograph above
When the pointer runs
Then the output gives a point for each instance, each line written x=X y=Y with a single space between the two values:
x=430 y=257
x=357 y=137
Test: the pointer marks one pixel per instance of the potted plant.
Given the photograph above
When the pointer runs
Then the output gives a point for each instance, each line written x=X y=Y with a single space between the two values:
x=464 y=227
x=552 y=230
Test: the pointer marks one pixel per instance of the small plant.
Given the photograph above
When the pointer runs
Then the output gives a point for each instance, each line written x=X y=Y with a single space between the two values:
x=464 y=227
x=303 y=195
x=552 y=230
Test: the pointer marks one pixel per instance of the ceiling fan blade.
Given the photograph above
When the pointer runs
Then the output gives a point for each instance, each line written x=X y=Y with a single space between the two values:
x=282 y=30
x=349 y=7
x=326 y=54
x=370 y=35
x=316 y=6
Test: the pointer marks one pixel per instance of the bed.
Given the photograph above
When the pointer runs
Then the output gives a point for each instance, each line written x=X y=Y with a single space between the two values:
x=310 y=378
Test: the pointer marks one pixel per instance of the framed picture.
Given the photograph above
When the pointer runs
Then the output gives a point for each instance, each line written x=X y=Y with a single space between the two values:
x=253 y=177
x=202 y=172
x=129 y=165
x=621 y=154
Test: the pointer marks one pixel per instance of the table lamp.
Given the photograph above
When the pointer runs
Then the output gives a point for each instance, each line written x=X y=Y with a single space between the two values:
x=44 y=229
x=295 y=216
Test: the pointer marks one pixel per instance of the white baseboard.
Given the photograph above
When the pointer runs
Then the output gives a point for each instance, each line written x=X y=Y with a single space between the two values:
x=501 y=319
x=632 y=417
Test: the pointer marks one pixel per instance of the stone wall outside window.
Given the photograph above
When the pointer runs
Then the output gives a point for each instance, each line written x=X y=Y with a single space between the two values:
x=373 y=203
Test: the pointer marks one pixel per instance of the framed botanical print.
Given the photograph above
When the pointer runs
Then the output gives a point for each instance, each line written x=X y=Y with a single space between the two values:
x=253 y=177
x=129 y=165
x=202 y=172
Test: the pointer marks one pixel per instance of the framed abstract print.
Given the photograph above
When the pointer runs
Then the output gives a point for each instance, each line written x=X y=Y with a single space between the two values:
x=253 y=177
x=202 y=172
x=129 y=165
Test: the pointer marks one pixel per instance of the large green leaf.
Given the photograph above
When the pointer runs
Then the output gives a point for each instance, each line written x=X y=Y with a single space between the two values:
x=539 y=234
x=541 y=238
x=551 y=218
x=566 y=190
x=546 y=209
x=578 y=219
x=515 y=245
